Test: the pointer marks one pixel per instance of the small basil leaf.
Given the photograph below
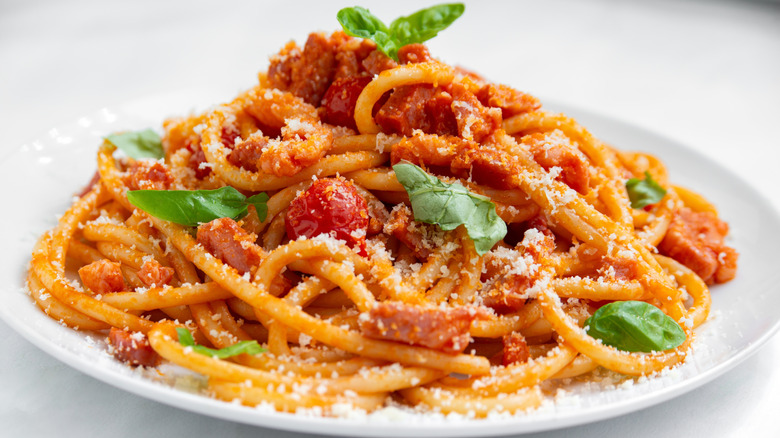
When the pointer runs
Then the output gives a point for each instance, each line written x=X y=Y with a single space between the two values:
x=644 y=192
x=248 y=347
x=139 y=144
x=361 y=23
x=451 y=205
x=425 y=24
x=194 y=207
x=635 y=326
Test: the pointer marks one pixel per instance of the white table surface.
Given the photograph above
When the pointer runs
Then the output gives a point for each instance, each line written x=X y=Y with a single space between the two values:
x=702 y=72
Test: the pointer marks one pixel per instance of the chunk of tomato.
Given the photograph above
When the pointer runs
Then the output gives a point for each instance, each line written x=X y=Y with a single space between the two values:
x=331 y=206
x=340 y=99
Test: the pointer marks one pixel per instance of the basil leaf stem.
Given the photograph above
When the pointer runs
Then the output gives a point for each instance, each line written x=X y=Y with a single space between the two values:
x=138 y=144
x=644 y=192
x=635 y=326
x=451 y=205
x=194 y=207
x=242 y=347
x=416 y=28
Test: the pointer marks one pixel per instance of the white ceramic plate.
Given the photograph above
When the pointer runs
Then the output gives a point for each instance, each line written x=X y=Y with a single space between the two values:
x=45 y=174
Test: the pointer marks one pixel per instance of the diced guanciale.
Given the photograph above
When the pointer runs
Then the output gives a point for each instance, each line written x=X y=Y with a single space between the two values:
x=103 y=276
x=507 y=293
x=449 y=110
x=145 y=175
x=303 y=143
x=403 y=227
x=419 y=106
x=197 y=161
x=515 y=349
x=695 y=239
x=617 y=267
x=538 y=239
x=307 y=73
x=132 y=348
x=227 y=241
x=446 y=330
x=511 y=101
x=549 y=153
x=487 y=166
x=153 y=274
x=376 y=62
x=247 y=153
x=280 y=68
x=464 y=158
x=350 y=56
x=475 y=121
x=621 y=268
x=430 y=150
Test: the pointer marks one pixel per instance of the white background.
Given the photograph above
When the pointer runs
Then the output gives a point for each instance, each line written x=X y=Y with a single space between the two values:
x=704 y=73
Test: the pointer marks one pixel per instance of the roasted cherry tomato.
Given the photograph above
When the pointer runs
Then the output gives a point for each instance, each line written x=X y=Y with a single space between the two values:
x=330 y=206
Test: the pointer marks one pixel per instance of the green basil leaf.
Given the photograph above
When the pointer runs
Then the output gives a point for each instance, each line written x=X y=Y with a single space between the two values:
x=425 y=24
x=248 y=347
x=387 y=45
x=260 y=202
x=416 y=28
x=451 y=205
x=194 y=207
x=139 y=144
x=361 y=23
x=644 y=192
x=635 y=326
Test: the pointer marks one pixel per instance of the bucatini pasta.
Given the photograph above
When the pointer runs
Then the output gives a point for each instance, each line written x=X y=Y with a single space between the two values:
x=388 y=228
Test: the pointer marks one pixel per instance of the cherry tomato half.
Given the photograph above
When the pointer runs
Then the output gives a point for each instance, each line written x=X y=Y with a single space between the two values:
x=330 y=206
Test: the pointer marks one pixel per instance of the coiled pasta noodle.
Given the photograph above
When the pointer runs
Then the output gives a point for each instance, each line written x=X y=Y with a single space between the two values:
x=319 y=354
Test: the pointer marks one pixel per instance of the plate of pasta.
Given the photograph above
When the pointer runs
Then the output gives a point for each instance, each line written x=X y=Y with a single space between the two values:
x=369 y=241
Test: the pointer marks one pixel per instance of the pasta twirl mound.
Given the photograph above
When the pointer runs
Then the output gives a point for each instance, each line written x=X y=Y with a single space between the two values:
x=363 y=230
